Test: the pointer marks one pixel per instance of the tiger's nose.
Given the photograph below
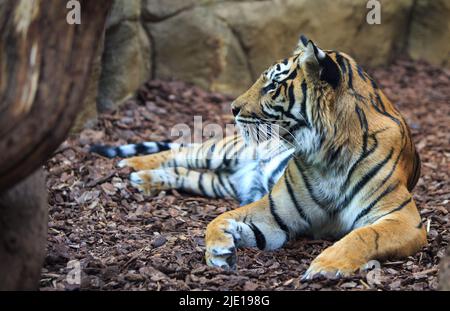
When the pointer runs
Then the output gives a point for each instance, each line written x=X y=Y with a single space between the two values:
x=235 y=110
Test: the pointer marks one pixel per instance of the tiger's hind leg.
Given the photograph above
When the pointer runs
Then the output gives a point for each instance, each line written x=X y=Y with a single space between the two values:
x=149 y=162
x=222 y=154
x=210 y=184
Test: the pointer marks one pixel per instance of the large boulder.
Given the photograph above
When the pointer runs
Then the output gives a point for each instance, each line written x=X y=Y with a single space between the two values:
x=88 y=112
x=430 y=32
x=224 y=45
x=126 y=62
x=197 y=46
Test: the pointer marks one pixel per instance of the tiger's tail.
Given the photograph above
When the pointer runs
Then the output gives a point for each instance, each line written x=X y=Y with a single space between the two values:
x=131 y=150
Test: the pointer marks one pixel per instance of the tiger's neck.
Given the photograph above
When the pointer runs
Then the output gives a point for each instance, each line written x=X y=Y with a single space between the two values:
x=318 y=152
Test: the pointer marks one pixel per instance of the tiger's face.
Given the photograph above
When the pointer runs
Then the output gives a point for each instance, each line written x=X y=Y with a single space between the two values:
x=294 y=97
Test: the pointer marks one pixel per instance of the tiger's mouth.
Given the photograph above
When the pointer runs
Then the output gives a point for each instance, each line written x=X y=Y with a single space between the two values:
x=256 y=131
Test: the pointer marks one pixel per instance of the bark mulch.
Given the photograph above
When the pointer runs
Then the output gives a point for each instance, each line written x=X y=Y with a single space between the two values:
x=123 y=240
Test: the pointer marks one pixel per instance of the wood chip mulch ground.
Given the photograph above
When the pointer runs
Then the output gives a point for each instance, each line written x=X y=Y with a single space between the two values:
x=123 y=240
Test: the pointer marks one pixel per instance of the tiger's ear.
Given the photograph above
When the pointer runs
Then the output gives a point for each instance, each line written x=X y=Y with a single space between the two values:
x=301 y=44
x=319 y=65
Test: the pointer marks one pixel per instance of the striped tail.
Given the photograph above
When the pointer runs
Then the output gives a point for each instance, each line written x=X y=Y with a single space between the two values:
x=131 y=150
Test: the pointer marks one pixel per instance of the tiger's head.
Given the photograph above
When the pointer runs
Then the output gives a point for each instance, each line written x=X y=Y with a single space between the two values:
x=307 y=97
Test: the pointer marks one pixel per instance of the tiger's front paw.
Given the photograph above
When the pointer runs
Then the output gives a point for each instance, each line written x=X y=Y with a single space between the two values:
x=222 y=238
x=331 y=264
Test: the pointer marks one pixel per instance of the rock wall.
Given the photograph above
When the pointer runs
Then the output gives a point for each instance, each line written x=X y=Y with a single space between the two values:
x=223 y=45
x=429 y=37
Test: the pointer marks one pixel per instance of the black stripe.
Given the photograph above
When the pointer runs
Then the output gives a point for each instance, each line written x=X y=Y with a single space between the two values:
x=200 y=184
x=183 y=179
x=173 y=162
x=400 y=207
x=197 y=155
x=209 y=155
x=275 y=215
x=214 y=188
x=291 y=96
x=364 y=125
x=141 y=149
x=280 y=167
x=277 y=92
x=303 y=104
x=225 y=160
x=163 y=146
x=304 y=40
x=223 y=185
x=291 y=76
x=374 y=84
x=235 y=152
x=379 y=101
x=233 y=189
x=363 y=181
x=250 y=121
x=384 y=112
x=308 y=184
x=293 y=198
x=362 y=157
x=389 y=174
x=259 y=236
x=268 y=88
x=367 y=209
x=350 y=74
x=364 y=153
x=268 y=114
x=361 y=72
x=281 y=73
x=334 y=154
x=341 y=63
x=121 y=154
x=412 y=181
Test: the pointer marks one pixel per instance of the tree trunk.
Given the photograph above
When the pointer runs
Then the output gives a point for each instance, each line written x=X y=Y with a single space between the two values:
x=45 y=66
x=23 y=233
x=444 y=272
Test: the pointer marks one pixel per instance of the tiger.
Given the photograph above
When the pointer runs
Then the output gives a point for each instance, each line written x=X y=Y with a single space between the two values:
x=344 y=170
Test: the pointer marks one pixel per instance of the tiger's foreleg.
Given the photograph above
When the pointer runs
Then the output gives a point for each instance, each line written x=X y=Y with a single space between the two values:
x=267 y=224
x=397 y=231
x=248 y=226
x=210 y=184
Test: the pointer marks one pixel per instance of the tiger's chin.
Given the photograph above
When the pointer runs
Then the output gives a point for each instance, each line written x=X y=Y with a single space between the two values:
x=250 y=131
